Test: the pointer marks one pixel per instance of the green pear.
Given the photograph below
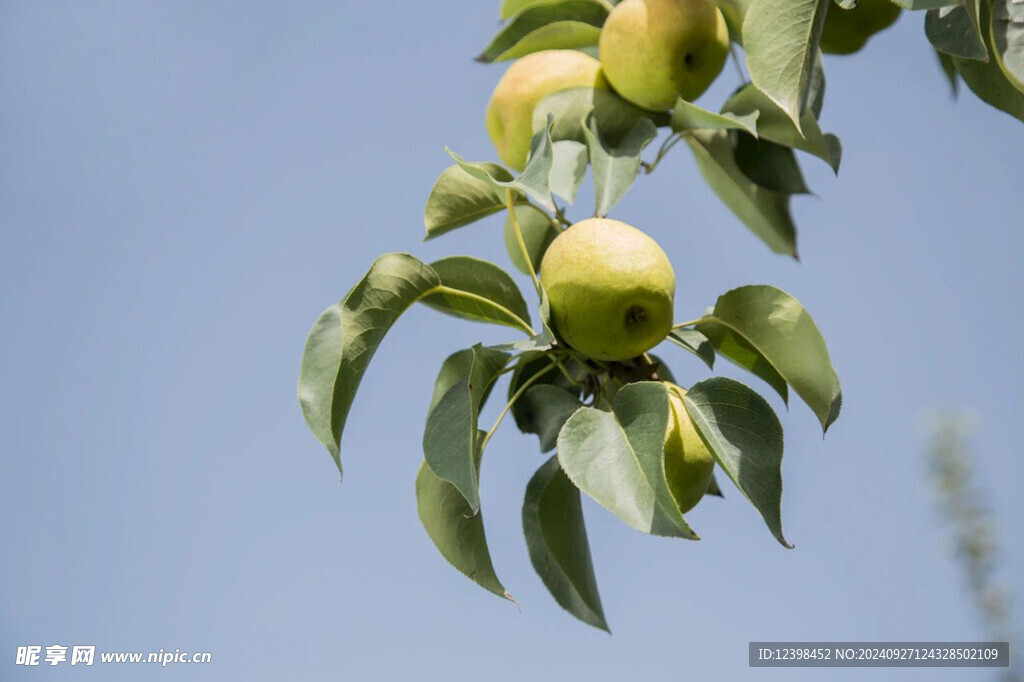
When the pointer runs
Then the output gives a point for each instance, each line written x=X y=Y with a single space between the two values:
x=847 y=30
x=611 y=289
x=656 y=51
x=688 y=463
x=527 y=82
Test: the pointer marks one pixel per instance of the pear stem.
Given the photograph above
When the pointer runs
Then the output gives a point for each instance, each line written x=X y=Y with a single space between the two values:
x=510 y=204
x=689 y=323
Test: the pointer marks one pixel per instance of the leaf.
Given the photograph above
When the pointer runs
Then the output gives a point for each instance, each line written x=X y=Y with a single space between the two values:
x=617 y=458
x=570 y=108
x=525 y=417
x=988 y=80
x=556 y=537
x=566 y=24
x=540 y=342
x=533 y=181
x=734 y=347
x=568 y=168
x=765 y=212
x=615 y=169
x=695 y=342
x=503 y=304
x=450 y=445
x=925 y=4
x=953 y=31
x=1007 y=39
x=770 y=165
x=713 y=488
x=949 y=68
x=745 y=438
x=510 y=8
x=733 y=11
x=688 y=116
x=816 y=92
x=456 y=530
x=544 y=409
x=458 y=198
x=778 y=327
x=774 y=125
x=780 y=38
x=538 y=232
x=346 y=336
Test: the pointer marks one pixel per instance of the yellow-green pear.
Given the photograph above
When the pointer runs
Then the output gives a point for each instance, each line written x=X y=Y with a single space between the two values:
x=688 y=463
x=847 y=30
x=611 y=289
x=527 y=82
x=656 y=51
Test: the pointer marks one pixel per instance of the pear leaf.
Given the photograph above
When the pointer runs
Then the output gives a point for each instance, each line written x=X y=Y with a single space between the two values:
x=617 y=458
x=745 y=438
x=556 y=537
x=346 y=336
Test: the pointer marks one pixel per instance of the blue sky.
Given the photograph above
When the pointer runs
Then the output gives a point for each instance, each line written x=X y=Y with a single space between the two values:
x=185 y=186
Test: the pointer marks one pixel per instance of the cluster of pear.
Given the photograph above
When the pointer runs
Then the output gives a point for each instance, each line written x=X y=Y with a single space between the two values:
x=610 y=287
x=651 y=53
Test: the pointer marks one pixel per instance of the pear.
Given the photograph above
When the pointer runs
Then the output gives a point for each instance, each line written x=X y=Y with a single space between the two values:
x=527 y=82
x=847 y=30
x=688 y=462
x=656 y=51
x=611 y=289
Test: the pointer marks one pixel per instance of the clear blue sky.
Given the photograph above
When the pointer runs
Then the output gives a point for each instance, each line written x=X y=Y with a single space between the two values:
x=184 y=186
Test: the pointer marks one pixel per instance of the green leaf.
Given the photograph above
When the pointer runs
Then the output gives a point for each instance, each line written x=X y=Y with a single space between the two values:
x=770 y=165
x=688 y=116
x=459 y=198
x=713 y=488
x=570 y=108
x=616 y=168
x=533 y=181
x=556 y=537
x=816 y=93
x=503 y=302
x=735 y=348
x=778 y=327
x=745 y=438
x=1007 y=39
x=953 y=31
x=450 y=444
x=925 y=4
x=949 y=68
x=566 y=24
x=988 y=80
x=617 y=458
x=456 y=530
x=774 y=125
x=780 y=38
x=346 y=336
x=540 y=342
x=734 y=11
x=544 y=409
x=765 y=212
x=695 y=342
x=527 y=420
x=568 y=168
x=538 y=232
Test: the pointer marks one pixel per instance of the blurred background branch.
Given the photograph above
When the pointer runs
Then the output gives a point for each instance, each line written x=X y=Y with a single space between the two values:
x=971 y=523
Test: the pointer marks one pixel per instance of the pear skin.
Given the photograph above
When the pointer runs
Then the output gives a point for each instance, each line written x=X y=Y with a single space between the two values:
x=656 y=51
x=611 y=289
x=524 y=84
x=688 y=462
